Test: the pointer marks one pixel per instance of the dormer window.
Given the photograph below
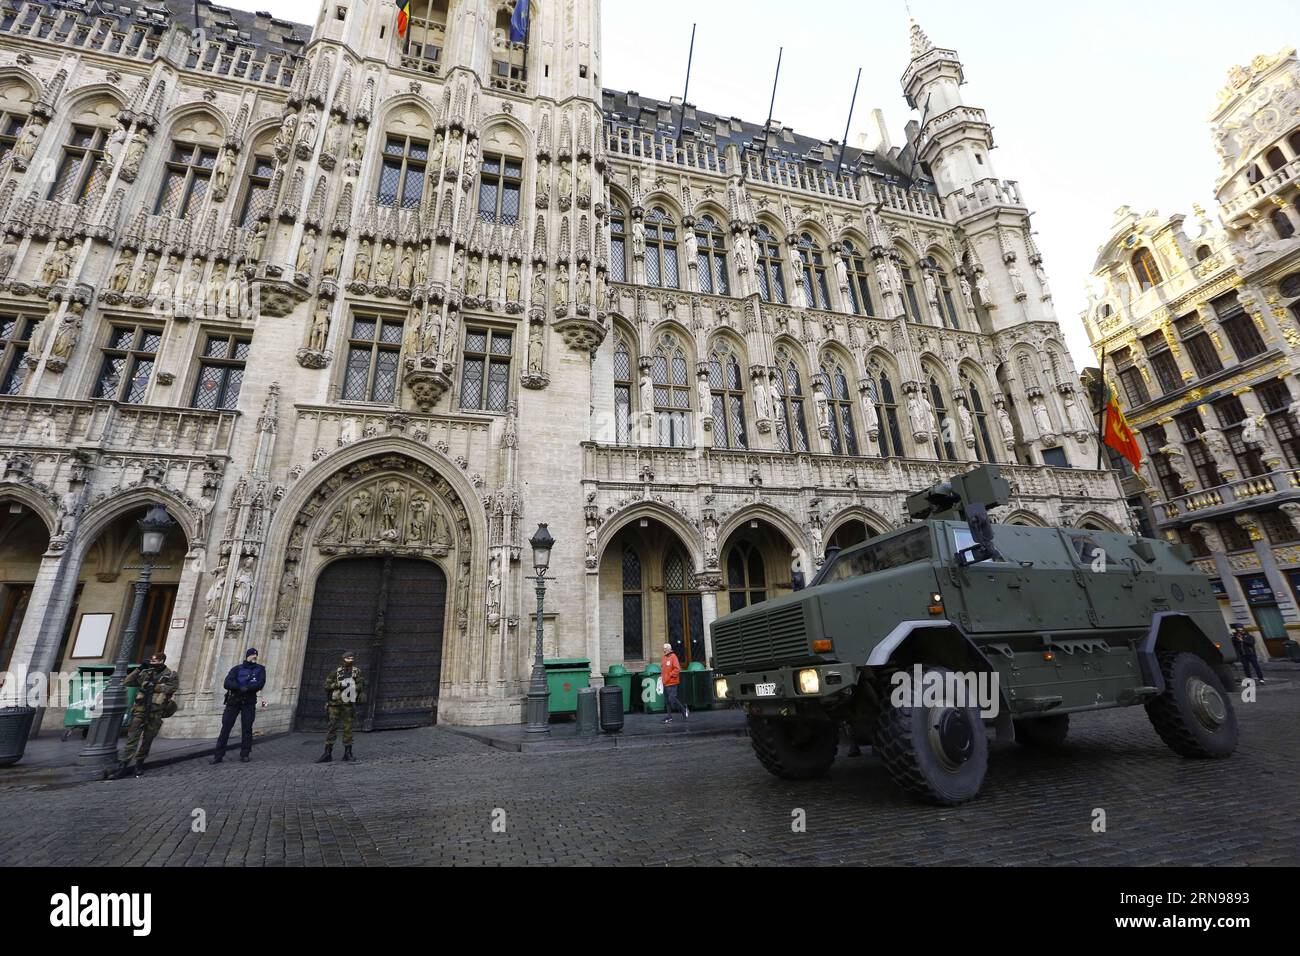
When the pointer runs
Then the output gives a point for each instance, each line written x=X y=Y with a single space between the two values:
x=1145 y=269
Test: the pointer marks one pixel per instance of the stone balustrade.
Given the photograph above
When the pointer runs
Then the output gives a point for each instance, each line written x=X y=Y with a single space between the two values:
x=1260 y=191
x=1283 y=484
x=33 y=423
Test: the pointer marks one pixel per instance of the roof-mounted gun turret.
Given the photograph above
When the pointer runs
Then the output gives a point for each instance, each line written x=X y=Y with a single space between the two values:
x=967 y=497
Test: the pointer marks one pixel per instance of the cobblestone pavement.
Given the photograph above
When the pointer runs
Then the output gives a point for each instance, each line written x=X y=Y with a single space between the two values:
x=429 y=797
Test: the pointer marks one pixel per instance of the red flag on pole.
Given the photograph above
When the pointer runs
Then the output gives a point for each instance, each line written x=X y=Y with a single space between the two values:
x=403 y=16
x=1117 y=434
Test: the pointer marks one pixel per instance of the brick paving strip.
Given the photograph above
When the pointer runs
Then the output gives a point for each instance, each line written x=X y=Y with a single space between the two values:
x=432 y=796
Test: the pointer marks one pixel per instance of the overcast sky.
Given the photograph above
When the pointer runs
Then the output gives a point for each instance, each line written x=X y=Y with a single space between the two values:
x=1094 y=105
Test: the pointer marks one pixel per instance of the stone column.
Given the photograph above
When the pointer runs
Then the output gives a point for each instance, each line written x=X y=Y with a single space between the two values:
x=47 y=613
x=1268 y=564
x=1236 y=598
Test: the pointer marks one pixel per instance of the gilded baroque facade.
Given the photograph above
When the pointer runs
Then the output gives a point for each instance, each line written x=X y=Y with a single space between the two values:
x=362 y=310
x=1200 y=330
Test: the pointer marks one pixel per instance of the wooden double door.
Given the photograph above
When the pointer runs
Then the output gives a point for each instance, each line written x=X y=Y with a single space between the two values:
x=390 y=613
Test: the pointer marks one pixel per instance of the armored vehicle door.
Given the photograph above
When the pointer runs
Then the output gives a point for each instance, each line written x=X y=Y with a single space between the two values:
x=1123 y=589
x=1031 y=589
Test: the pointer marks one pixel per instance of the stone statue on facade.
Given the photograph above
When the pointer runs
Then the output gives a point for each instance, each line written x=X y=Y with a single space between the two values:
x=58 y=265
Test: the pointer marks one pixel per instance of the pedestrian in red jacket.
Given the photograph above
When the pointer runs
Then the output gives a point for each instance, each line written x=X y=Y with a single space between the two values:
x=671 y=670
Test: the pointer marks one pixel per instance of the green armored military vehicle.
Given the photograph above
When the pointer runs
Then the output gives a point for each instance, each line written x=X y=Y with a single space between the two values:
x=920 y=639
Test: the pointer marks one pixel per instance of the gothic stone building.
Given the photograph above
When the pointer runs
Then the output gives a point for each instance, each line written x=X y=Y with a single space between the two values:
x=1200 y=335
x=362 y=310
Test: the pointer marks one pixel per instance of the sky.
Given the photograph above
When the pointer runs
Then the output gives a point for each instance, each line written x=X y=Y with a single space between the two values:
x=1093 y=105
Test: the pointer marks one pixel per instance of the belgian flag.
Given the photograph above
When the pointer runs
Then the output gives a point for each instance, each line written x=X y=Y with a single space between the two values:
x=1117 y=434
x=403 y=16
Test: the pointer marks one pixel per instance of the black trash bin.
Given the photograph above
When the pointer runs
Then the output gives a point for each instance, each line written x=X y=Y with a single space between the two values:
x=15 y=726
x=611 y=708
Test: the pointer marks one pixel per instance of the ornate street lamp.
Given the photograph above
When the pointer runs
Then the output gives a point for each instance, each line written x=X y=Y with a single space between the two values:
x=538 y=707
x=102 y=739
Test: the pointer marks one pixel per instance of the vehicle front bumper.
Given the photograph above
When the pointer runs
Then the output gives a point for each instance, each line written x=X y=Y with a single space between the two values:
x=832 y=680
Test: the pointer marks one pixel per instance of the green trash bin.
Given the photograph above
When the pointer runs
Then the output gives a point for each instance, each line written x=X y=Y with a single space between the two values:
x=84 y=690
x=565 y=676
x=646 y=690
x=618 y=676
x=697 y=686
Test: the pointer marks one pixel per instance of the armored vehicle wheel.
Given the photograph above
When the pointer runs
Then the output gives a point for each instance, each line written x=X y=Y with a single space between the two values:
x=1042 y=732
x=1194 y=715
x=937 y=754
x=794 y=748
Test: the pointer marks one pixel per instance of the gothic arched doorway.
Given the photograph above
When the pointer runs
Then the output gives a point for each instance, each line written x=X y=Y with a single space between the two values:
x=390 y=613
x=683 y=612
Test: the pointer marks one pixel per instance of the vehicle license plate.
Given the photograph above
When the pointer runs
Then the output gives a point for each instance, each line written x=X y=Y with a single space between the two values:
x=765 y=690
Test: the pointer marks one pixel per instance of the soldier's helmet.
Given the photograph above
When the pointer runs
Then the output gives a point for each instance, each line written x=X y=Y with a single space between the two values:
x=349 y=656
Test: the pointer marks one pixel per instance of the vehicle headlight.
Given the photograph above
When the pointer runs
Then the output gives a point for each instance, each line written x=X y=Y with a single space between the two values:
x=720 y=688
x=808 y=681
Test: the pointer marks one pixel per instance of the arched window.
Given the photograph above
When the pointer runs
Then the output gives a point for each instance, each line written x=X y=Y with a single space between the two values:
x=1202 y=253
x=746 y=576
x=11 y=128
x=1275 y=159
x=728 y=389
x=683 y=612
x=672 y=386
x=1294 y=142
x=617 y=244
x=979 y=412
x=426 y=36
x=771 y=281
x=1253 y=175
x=891 y=435
x=711 y=257
x=1107 y=311
x=1281 y=224
x=1145 y=268
x=844 y=440
x=401 y=177
x=815 y=291
x=622 y=392
x=661 y=250
x=792 y=429
x=633 y=609
x=260 y=171
x=859 y=284
x=943 y=446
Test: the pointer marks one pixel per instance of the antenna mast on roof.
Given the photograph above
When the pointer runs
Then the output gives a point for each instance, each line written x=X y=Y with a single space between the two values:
x=690 y=58
x=852 y=103
x=767 y=127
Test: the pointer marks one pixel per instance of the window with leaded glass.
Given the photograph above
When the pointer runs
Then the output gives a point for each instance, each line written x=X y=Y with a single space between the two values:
x=661 y=263
x=792 y=428
x=1189 y=426
x=500 y=185
x=711 y=257
x=1275 y=396
x=633 y=606
x=129 y=358
x=1145 y=269
x=1277 y=526
x=746 y=576
x=402 y=173
x=1231 y=414
x=1204 y=356
x=618 y=245
x=839 y=401
x=11 y=127
x=813 y=273
x=1196 y=541
x=622 y=392
x=975 y=405
x=1162 y=361
x=221 y=372
x=891 y=433
x=672 y=392
x=485 y=382
x=771 y=280
x=1135 y=386
x=185 y=180
x=83 y=152
x=15 y=337
x=259 y=181
x=1244 y=337
x=374 y=354
x=949 y=304
x=913 y=303
x=1235 y=537
x=943 y=445
x=859 y=282
x=727 y=387
x=1156 y=439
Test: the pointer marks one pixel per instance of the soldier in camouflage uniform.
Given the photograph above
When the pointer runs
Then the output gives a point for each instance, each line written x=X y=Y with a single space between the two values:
x=153 y=703
x=342 y=694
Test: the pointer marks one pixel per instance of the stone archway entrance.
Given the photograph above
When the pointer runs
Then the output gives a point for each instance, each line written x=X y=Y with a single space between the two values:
x=390 y=612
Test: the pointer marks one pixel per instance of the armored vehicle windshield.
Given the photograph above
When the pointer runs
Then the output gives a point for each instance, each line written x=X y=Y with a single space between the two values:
x=893 y=552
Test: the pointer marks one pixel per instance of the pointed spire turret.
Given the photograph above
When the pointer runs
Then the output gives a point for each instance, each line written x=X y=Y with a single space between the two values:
x=920 y=42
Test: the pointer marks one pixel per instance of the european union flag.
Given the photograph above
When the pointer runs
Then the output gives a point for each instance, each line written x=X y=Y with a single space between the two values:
x=519 y=22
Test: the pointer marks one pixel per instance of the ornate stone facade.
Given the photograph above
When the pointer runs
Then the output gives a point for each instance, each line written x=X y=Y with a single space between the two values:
x=1200 y=329
x=336 y=296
